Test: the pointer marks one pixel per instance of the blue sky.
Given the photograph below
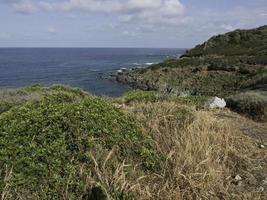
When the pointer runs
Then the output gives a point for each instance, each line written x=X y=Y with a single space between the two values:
x=123 y=23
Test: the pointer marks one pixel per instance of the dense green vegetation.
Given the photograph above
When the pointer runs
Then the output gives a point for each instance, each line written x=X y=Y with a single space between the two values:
x=138 y=96
x=46 y=141
x=237 y=43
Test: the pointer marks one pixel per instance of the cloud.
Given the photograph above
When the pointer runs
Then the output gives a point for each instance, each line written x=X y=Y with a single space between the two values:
x=129 y=33
x=25 y=6
x=51 y=30
x=172 y=6
x=149 y=11
x=227 y=27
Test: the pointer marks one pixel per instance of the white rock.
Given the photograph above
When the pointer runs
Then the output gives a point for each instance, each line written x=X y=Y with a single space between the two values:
x=215 y=102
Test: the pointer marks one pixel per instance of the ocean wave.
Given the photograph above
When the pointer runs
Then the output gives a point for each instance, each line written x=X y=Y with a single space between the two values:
x=149 y=63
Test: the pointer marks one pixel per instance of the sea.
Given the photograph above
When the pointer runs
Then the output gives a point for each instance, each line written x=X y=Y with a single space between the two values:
x=86 y=68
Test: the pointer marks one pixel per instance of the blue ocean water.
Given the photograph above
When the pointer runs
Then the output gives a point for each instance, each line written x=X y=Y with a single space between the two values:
x=78 y=67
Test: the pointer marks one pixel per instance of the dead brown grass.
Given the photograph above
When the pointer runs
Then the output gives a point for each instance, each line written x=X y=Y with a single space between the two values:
x=203 y=154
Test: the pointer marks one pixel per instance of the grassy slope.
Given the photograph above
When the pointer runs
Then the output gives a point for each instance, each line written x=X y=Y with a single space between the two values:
x=62 y=143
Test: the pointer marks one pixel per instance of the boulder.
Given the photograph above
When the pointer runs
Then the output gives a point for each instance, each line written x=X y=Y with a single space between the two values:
x=215 y=102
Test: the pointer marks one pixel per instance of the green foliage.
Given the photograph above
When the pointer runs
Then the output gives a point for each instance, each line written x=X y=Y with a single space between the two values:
x=152 y=96
x=34 y=88
x=192 y=100
x=76 y=91
x=252 y=104
x=240 y=42
x=5 y=105
x=142 y=96
x=47 y=141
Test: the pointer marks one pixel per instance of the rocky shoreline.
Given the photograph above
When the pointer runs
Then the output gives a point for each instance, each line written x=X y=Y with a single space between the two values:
x=132 y=78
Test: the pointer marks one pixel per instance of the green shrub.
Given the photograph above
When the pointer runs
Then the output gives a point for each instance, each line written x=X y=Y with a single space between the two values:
x=252 y=104
x=76 y=91
x=142 y=96
x=192 y=100
x=47 y=141
x=6 y=105
x=34 y=88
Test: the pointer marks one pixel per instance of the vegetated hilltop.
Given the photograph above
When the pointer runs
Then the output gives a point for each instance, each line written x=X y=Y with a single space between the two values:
x=62 y=143
x=237 y=43
x=224 y=65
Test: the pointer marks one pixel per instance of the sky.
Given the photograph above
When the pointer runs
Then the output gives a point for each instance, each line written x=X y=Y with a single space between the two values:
x=124 y=23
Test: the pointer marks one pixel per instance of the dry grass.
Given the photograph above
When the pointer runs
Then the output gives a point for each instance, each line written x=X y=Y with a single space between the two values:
x=106 y=182
x=203 y=154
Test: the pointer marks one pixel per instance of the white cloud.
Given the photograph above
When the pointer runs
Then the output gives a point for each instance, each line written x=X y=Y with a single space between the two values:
x=51 y=30
x=111 y=5
x=227 y=27
x=129 y=33
x=25 y=6
x=263 y=14
x=149 y=11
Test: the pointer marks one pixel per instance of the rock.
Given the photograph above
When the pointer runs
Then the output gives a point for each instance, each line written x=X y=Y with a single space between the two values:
x=262 y=146
x=215 y=102
x=238 y=178
x=123 y=69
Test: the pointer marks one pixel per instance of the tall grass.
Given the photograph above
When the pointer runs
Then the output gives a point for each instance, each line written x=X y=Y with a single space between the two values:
x=198 y=149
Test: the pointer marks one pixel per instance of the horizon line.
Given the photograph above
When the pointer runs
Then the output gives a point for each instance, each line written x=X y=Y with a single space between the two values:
x=95 y=47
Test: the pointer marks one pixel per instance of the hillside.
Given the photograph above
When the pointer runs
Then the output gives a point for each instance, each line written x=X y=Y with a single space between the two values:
x=237 y=43
x=62 y=143
x=224 y=65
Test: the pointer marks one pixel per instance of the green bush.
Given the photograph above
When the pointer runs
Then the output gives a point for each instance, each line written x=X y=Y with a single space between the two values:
x=34 y=88
x=46 y=142
x=76 y=91
x=192 y=100
x=252 y=104
x=6 y=105
x=142 y=96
